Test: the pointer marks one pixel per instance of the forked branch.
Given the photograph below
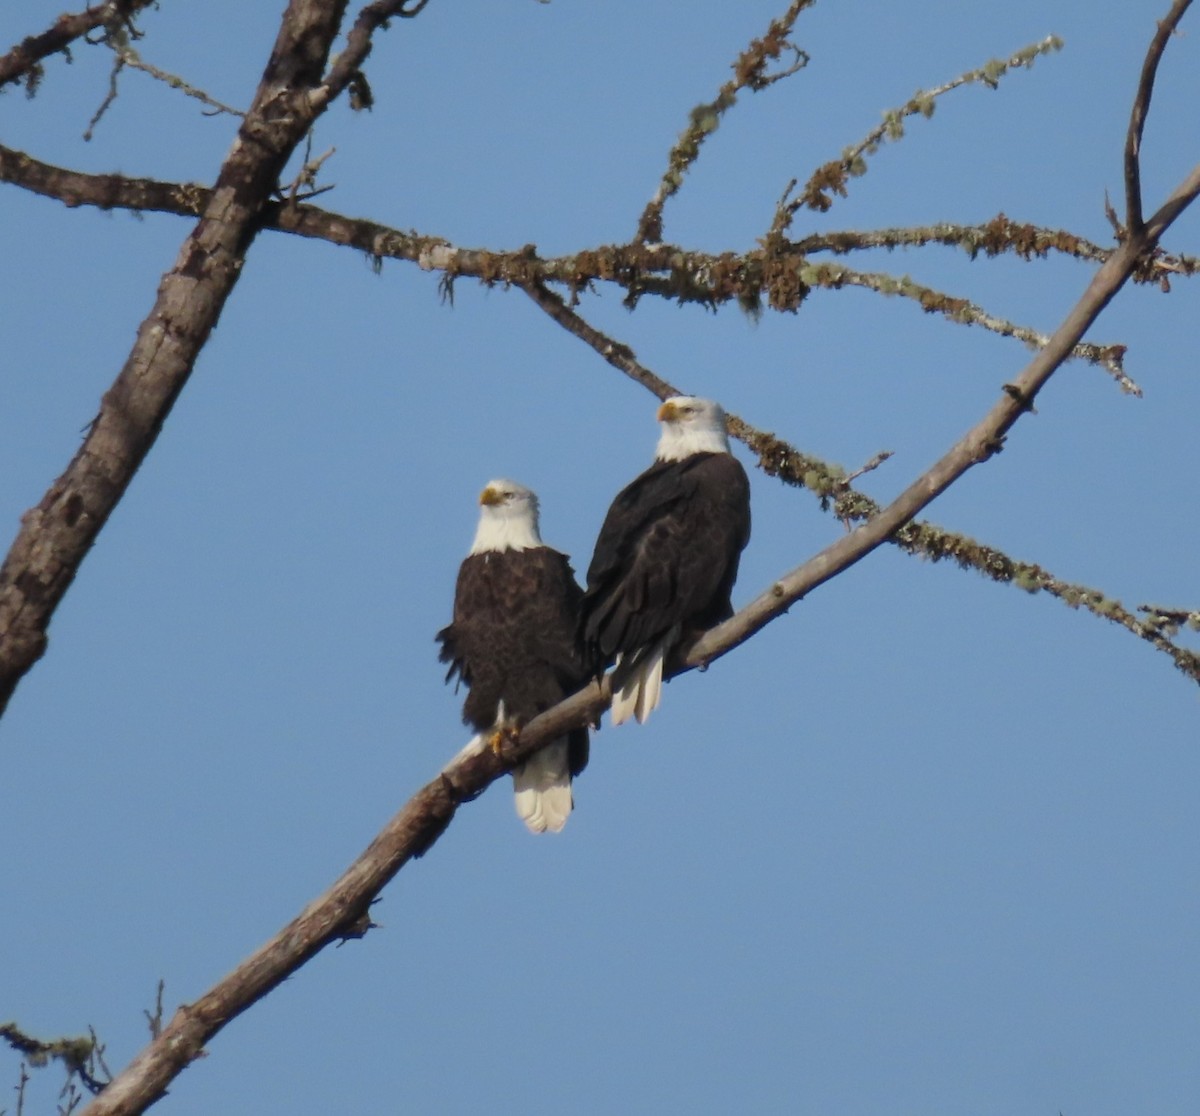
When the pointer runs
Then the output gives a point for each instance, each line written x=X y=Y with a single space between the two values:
x=1141 y=107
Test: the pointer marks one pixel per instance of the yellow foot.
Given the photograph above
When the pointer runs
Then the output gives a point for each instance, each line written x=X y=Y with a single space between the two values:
x=497 y=738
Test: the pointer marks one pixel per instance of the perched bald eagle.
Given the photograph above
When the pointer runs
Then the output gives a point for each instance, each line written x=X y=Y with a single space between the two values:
x=667 y=555
x=514 y=642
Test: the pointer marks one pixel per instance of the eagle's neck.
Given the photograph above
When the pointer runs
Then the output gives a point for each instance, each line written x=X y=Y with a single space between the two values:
x=497 y=533
x=678 y=442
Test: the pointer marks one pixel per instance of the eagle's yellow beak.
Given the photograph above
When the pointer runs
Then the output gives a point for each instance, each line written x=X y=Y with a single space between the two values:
x=489 y=497
x=668 y=412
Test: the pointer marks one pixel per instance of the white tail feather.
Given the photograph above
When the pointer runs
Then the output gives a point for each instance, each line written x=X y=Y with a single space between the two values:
x=542 y=786
x=641 y=692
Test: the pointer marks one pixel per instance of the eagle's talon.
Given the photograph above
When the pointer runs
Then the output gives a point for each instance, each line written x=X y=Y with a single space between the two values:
x=497 y=739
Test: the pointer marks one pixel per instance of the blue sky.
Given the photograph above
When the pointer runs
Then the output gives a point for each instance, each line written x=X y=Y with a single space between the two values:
x=926 y=845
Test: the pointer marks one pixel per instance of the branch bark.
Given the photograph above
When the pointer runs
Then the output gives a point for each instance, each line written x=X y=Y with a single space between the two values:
x=1141 y=107
x=56 y=535
x=783 y=272
x=28 y=54
x=779 y=459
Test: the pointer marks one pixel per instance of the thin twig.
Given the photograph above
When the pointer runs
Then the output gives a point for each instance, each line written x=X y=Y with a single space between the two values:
x=749 y=71
x=832 y=177
x=109 y=98
x=130 y=58
x=154 y=1022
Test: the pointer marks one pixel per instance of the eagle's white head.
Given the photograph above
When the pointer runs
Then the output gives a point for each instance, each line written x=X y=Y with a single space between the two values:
x=508 y=518
x=690 y=425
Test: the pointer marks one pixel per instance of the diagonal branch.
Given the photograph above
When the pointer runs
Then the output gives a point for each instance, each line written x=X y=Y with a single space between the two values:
x=127 y=56
x=56 y=535
x=779 y=459
x=833 y=176
x=963 y=312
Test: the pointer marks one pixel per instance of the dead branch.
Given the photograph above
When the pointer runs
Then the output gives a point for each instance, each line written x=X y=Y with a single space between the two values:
x=1141 y=106
x=749 y=71
x=56 y=535
x=25 y=58
x=833 y=176
x=779 y=459
x=785 y=275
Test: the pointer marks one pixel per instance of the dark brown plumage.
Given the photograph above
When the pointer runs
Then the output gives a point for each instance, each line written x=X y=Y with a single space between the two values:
x=513 y=639
x=514 y=643
x=667 y=555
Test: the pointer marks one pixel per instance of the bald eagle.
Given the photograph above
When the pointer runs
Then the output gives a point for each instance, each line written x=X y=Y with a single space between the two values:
x=667 y=555
x=514 y=642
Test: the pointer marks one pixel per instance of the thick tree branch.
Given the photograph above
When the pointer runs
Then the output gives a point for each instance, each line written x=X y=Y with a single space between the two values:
x=56 y=535
x=25 y=58
x=785 y=272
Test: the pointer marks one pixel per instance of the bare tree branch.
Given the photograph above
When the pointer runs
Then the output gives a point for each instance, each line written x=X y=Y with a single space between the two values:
x=786 y=274
x=833 y=176
x=1141 y=106
x=832 y=276
x=25 y=58
x=749 y=71
x=616 y=263
x=56 y=535
x=777 y=458
x=1000 y=235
